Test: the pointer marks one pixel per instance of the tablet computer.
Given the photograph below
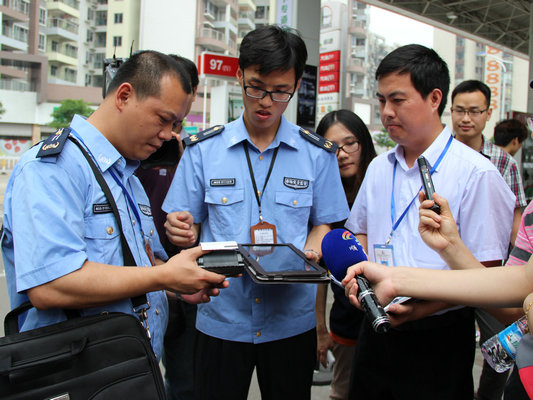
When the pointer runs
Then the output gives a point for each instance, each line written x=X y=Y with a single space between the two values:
x=280 y=263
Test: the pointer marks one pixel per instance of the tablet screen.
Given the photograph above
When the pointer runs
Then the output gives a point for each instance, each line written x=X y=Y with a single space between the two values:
x=279 y=258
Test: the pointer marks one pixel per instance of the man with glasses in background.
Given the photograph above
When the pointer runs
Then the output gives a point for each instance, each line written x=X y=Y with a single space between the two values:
x=470 y=113
x=258 y=179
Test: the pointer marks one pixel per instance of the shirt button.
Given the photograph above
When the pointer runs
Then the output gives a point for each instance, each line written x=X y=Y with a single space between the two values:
x=258 y=334
x=259 y=193
x=133 y=222
x=224 y=200
x=109 y=230
x=156 y=311
x=260 y=157
x=151 y=232
x=294 y=202
x=257 y=300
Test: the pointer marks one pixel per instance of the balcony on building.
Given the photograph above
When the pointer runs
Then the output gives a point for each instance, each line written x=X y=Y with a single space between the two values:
x=358 y=28
x=63 y=28
x=62 y=75
x=14 y=10
x=69 y=7
x=358 y=52
x=247 y=5
x=63 y=54
x=101 y=5
x=357 y=90
x=212 y=40
x=356 y=65
x=246 y=20
x=14 y=38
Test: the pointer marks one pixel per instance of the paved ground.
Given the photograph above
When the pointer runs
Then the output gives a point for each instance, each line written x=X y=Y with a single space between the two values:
x=318 y=392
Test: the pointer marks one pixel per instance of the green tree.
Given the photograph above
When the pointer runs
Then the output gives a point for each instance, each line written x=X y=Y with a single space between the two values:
x=63 y=114
x=382 y=139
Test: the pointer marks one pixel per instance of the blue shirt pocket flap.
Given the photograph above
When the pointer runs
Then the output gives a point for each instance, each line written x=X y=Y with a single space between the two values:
x=224 y=196
x=294 y=199
x=101 y=227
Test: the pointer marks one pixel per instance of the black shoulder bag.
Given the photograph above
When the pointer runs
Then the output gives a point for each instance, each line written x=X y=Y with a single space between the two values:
x=103 y=356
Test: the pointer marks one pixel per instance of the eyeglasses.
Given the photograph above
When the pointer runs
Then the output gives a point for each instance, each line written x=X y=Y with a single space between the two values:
x=350 y=147
x=256 y=93
x=472 y=113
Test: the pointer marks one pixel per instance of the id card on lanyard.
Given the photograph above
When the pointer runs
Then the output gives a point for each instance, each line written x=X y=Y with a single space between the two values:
x=385 y=252
x=262 y=232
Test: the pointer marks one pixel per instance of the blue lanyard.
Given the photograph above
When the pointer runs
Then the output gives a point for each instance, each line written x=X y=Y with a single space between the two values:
x=131 y=201
x=393 y=208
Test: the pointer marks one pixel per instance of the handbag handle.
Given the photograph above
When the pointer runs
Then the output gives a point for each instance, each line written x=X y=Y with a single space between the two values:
x=17 y=371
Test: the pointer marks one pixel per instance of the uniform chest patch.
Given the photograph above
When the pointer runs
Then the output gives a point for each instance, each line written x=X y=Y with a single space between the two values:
x=146 y=210
x=222 y=182
x=102 y=208
x=296 y=183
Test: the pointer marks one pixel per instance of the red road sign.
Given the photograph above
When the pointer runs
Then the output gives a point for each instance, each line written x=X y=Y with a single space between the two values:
x=213 y=64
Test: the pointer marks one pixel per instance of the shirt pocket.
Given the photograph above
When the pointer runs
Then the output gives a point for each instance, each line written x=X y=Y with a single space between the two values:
x=226 y=212
x=292 y=213
x=103 y=239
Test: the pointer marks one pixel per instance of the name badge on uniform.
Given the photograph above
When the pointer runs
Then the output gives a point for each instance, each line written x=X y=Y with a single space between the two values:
x=263 y=233
x=384 y=254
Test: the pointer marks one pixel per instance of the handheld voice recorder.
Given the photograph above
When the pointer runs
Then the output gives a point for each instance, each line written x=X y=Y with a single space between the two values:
x=425 y=174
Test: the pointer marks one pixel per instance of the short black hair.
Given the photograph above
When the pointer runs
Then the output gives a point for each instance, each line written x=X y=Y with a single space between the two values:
x=471 y=86
x=190 y=67
x=507 y=130
x=271 y=48
x=427 y=69
x=144 y=71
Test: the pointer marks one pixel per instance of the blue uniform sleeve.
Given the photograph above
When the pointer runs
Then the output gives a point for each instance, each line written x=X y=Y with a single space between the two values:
x=47 y=223
x=329 y=202
x=187 y=191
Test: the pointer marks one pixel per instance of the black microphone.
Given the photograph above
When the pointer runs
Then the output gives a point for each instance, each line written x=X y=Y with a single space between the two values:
x=340 y=249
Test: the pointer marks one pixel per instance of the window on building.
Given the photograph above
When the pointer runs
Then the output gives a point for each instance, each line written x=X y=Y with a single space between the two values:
x=101 y=18
x=71 y=51
x=54 y=46
x=88 y=79
x=90 y=14
x=260 y=12
x=90 y=35
x=118 y=18
x=42 y=16
x=42 y=42
x=117 y=41
x=70 y=74
x=326 y=18
x=53 y=70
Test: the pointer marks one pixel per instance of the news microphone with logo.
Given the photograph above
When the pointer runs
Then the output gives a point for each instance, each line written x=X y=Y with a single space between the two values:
x=340 y=249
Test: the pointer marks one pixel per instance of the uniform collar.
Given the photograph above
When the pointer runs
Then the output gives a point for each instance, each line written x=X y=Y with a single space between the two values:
x=103 y=152
x=239 y=134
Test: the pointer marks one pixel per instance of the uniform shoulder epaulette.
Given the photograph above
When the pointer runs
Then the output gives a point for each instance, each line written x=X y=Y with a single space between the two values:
x=318 y=140
x=53 y=145
x=198 y=137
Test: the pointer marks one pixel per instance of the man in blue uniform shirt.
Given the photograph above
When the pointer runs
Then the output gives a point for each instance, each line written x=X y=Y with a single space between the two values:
x=61 y=243
x=299 y=193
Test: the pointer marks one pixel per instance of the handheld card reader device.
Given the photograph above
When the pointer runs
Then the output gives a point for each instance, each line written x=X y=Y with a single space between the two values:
x=224 y=262
x=425 y=174
x=224 y=258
